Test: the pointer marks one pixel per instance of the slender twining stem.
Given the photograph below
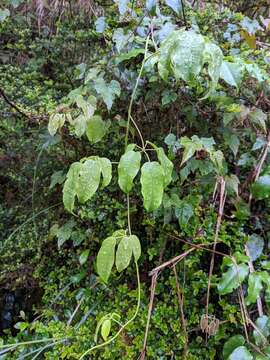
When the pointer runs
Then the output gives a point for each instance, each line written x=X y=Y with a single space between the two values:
x=128 y=215
x=96 y=347
x=133 y=96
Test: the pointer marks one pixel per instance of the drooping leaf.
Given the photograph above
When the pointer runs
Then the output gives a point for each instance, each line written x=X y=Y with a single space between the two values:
x=64 y=232
x=96 y=129
x=232 y=278
x=254 y=287
x=176 y=5
x=108 y=91
x=123 y=254
x=233 y=343
x=136 y=246
x=231 y=73
x=213 y=57
x=129 y=55
x=105 y=258
x=263 y=325
x=84 y=256
x=56 y=121
x=106 y=329
x=241 y=353
x=128 y=168
x=88 y=180
x=255 y=245
x=261 y=188
x=167 y=166
x=70 y=186
x=106 y=171
x=152 y=181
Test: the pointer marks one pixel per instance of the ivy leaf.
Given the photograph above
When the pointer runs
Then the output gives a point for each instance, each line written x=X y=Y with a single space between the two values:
x=136 y=246
x=64 y=232
x=69 y=189
x=58 y=177
x=108 y=91
x=175 y=5
x=263 y=325
x=167 y=166
x=261 y=188
x=106 y=171
x=105 y=258
x=106 y=329
x=152 y=181
x=96 y=129
x=121 y=39
x=151 y=6
x=259 y=118
x=128 y=168
x=190 y=147
x=184 y=212
x=122 y=5
x=123 y=254
x=254 y=287
x=84 y=256
x=231 y=73
x=232 y=183
x=233 y=343
x=88 y=180
x=232 y=278
x=255 y=245
x=241 y=353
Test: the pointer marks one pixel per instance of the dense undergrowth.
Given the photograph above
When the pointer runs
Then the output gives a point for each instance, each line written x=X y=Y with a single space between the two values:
x=149 y=119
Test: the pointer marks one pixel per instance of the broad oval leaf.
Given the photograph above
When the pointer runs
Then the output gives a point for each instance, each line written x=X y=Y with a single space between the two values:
x=128 y=168
x=106 y=171
x=123 y=254
x=241 y=353
x=261 y=188
x=167 y=166
x=152 y=181
x=105 y=258
x=106 y=329
x=136 y=246
x=69 y=189
x=96 y=129
x=88 y=180
x=233 y=343
x=232 y=278
x=254 y=287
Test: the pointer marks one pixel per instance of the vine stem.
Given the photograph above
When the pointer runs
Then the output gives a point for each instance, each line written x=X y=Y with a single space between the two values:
x=125 y=325
x=133 y=97
x=128 y=215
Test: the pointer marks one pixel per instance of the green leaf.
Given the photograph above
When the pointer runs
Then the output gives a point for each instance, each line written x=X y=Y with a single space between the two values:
x=176 y=5
x=121 y=39
x=190 y=147
x=64 y=232
x=123 y=254
x=56 y=121
x=259 y=118
x=5 y=13
x=105 y=258
x=213 y=56
x=241 y=353
x=232 y=278
x=106 y=171
x=108 y=91
x=255 y=245
x=69 y=189
x=261 y=188
x=232 y=183
x=233 y=343
x=167 y=166
x=151 y=6
x=58 y=177
x=129 y=55
x=152 y=181
x=263 y=325
x=84 y=256
x=96 y=129
x=254 y=287
x=128 y=168
x=106 y=329
x=184 y=212
x=136 y=246
x=231 y=73
x=88 y=180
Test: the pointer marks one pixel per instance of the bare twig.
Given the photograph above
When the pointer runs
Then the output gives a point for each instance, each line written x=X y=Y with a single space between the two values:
x=11 y=104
